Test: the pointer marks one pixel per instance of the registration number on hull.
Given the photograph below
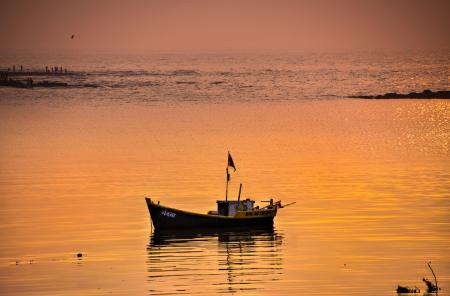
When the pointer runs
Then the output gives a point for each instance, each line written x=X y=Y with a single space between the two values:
x=168 y=214
x=259 y=213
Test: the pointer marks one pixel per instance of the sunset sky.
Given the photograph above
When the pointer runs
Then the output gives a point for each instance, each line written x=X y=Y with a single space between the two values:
x=223 y=26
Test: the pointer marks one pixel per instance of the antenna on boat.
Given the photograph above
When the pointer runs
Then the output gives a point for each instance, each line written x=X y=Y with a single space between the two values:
x=239 y=196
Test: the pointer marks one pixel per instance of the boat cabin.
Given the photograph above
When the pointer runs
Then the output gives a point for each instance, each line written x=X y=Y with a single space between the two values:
x=230 y=207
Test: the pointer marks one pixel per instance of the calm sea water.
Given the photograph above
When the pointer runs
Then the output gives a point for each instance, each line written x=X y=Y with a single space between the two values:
x=371 y=178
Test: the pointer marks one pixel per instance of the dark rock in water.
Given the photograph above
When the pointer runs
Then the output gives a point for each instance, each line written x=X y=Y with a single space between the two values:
x=426 y=94
x=79 y=255
x=430 y=286
x=14 y=83
x=90 y=85
x=184 y=72
x=35 y=73
x=405 y=289
x=30 y=84
x=46 y=83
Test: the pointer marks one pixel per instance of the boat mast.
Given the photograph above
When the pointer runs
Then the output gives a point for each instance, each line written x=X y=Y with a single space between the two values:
x=226 y=191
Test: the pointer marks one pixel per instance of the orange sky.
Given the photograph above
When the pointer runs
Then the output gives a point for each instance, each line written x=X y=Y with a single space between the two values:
x=223 y=26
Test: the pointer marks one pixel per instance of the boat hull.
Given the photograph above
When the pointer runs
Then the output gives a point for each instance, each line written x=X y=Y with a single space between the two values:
x=169 y=218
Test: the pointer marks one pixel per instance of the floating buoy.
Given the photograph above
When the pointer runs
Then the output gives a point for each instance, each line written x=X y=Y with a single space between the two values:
x=79 y=255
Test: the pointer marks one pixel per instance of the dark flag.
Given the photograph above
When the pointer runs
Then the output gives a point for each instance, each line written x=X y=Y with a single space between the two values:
x=230 y=162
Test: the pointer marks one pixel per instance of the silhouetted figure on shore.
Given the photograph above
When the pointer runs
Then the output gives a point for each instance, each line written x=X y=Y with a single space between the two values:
x=60 y=69
x=46 y=69
x=14 y=68
x=21 y=68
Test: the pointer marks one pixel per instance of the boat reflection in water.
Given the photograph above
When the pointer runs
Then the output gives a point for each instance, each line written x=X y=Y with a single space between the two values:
x=211 y=262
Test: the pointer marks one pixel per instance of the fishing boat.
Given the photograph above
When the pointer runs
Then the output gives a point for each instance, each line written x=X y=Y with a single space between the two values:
x=230 y=213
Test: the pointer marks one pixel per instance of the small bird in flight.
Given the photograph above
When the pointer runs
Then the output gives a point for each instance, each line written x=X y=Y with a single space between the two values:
x=73 y=36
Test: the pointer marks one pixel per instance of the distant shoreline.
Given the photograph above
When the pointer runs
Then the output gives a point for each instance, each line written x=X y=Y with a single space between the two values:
x=426 y=94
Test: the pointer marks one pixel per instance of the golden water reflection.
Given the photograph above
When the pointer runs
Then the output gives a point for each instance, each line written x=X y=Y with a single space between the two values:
x=213 y=262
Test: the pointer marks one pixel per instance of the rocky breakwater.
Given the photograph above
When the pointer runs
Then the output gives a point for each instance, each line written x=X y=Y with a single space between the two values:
x=426 y=94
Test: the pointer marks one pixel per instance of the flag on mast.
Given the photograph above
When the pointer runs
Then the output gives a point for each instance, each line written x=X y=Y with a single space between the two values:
x=231 y=162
